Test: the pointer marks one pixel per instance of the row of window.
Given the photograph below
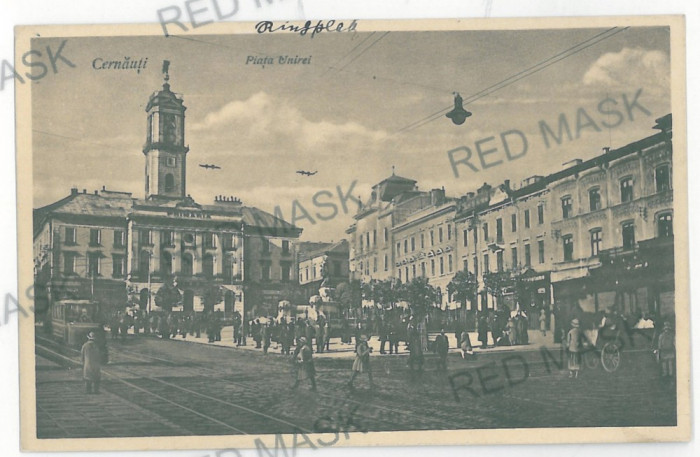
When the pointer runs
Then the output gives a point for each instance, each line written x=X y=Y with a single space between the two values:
x=500 y=266
x=71 y=237
x=94 y=264
x=431 y=233
x=167 y=238
x=499 y=226
x=664 y=229
x=662 y=178
x=436 y=268
x=337 y=271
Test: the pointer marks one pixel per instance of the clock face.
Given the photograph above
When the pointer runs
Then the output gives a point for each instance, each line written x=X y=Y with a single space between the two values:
x=169 y=128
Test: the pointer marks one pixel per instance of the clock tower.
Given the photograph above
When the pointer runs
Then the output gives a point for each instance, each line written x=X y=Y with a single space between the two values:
x=165 y=148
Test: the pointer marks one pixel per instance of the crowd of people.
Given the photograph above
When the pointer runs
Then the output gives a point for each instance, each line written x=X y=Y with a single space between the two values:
x=166 y=325
x=309 y=335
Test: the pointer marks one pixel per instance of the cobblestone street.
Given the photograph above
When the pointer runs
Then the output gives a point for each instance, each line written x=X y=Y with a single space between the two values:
x=153 y=387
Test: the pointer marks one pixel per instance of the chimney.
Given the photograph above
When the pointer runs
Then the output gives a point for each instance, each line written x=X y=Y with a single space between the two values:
x=74 y=191
x=506 y=184
x=95 y=192
x=437 y=197
x=85 y=191
x=606 y=149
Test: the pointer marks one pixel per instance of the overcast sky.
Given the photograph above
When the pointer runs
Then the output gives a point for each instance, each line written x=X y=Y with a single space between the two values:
x=262 y=124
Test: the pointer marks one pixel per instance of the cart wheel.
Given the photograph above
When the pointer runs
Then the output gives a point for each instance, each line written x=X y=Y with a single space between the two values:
x=610 y=357
x=591 y=359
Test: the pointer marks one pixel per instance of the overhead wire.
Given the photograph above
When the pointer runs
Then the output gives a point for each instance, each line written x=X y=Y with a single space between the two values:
x=520 y=75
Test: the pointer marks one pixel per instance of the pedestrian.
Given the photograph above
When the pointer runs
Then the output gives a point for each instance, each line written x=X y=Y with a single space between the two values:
x=442 y=346
x=290 y=336
x=393 y=338
x=91 y=358
x=666 y=351
x=320 y=333
x=257 y=333
x=465 y=345
x=574 y=345
x=483 y=330
x=361 y=363
x=523 y=325
x=415 y=348
x=543 y=322
x=310 y=333
x=266 y=336
x=383 y=334
x=328 y=335
x=304 y=363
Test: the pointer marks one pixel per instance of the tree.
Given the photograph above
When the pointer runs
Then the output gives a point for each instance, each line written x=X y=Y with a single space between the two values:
x=168 y=296
x=349 y=295
x=420 y=295
x=211 y=296
x=463 y=287
x=497 y=282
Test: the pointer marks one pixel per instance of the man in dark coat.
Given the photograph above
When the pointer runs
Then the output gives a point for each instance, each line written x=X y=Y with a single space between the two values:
x=483 y=325
x=383 y=334
x=442 y=346
x=266 y=334
x=415 y=346
x=91 y=358
x=303 y=360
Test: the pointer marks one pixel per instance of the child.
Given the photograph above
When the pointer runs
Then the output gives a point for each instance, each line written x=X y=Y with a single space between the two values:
x=574 y=344
x=465 y=345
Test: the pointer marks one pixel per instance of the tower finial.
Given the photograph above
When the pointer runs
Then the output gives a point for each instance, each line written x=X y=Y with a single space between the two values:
x=166 y=67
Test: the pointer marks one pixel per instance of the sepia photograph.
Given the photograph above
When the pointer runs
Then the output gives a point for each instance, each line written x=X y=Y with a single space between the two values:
x=273 y=233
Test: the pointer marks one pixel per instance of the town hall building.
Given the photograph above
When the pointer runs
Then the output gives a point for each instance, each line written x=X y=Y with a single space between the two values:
x=120 y=250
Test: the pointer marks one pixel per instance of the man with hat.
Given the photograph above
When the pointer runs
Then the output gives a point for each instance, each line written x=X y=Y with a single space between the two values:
x=574 y=345
x=666 y=351
x=303 y=360
x=91 y=358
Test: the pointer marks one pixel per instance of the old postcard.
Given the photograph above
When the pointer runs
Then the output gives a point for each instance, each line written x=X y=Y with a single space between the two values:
x=352 y=233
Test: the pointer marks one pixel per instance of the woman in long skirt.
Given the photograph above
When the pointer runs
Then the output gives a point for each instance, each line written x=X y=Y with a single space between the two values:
x=361 y=363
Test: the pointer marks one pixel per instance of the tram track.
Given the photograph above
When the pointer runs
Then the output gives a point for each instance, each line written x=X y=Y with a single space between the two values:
x=338 y=401
x=260 y=418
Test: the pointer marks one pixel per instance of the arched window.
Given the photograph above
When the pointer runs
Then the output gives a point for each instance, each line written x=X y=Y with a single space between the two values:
x=169 y=182
x=186 y=264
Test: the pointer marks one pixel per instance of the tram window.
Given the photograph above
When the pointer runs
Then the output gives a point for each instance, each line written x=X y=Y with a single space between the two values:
x=79 y=313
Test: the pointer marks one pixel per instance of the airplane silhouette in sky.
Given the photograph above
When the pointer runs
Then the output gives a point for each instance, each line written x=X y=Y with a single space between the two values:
x=210 y=166
x=307 y=173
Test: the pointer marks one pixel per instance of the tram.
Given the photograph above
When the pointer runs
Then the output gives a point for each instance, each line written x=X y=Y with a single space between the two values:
x=72 y=320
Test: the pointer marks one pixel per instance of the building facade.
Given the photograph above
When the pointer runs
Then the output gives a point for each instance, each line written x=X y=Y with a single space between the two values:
x=322 y=265
x=111 y=247
x=596 y=235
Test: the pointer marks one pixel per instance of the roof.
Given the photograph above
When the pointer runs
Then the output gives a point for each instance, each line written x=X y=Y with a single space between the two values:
x=121 y=205
x=395 y=179
x=341 y=247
